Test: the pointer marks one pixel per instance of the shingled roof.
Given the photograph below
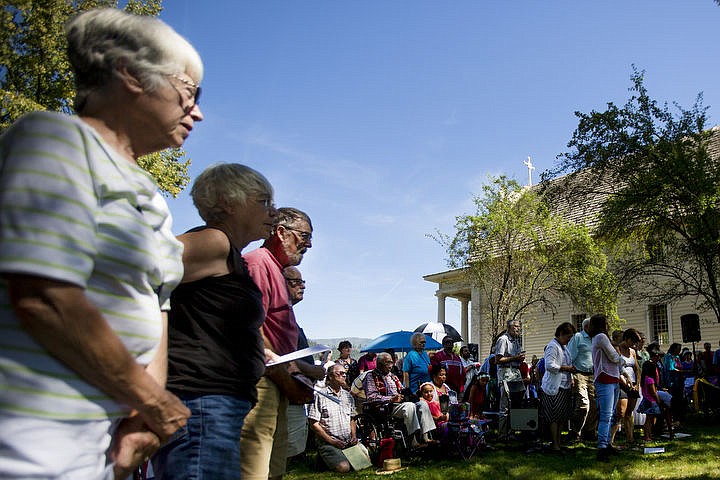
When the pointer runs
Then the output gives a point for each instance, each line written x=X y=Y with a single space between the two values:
x=579 y=197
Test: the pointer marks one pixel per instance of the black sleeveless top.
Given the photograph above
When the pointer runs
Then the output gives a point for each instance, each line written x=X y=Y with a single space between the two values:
x=214 y=340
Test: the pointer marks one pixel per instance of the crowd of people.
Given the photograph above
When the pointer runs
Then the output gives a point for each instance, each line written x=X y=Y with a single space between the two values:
x=589 y=382
x=124 y=345
x=119 y=337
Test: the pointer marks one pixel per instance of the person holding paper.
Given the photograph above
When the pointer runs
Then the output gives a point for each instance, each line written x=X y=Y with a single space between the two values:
x=332 y=420
x=263 y=441
x=508 y=357
x=296 y=413
x=216 y=352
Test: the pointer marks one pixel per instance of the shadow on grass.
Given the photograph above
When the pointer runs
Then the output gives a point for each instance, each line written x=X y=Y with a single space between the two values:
x=694 y=457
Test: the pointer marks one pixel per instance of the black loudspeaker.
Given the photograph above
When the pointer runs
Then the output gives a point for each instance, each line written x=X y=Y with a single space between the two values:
x=473 y=347
x=690 y=327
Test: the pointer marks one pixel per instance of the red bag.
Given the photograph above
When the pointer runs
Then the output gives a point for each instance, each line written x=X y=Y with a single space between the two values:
x=386 y=450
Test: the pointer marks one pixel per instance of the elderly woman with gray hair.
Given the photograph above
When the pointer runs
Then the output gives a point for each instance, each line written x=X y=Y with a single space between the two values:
x=416 y=366
x=88 y=258
x=215 y=348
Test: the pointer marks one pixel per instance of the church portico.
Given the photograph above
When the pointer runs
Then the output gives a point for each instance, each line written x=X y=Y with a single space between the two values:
x=451 y=286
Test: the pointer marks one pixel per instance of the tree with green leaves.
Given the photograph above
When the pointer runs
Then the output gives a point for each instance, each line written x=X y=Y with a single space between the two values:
x=524 y=259
x=656 y=182
x=35 y=73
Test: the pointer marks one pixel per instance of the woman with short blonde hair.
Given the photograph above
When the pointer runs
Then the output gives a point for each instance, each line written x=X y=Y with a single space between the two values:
x=215 y=347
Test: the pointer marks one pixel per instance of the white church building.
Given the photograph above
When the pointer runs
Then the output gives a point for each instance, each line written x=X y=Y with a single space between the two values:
x=659 y=322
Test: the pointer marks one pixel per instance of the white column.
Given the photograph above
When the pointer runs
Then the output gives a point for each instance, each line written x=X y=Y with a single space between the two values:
x=477 y=326
x=441 y=307
x=464 y=330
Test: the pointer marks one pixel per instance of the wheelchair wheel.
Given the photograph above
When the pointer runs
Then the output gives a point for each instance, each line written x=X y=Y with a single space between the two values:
x=368 y=434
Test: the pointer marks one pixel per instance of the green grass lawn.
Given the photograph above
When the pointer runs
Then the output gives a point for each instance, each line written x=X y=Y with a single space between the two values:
x=694 y=457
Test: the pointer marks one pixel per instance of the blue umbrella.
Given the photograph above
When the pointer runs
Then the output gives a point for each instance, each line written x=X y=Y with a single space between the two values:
x=398 y=341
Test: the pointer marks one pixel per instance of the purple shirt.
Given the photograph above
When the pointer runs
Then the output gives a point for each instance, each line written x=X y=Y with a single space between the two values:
x=365 y=363
x=371 y=390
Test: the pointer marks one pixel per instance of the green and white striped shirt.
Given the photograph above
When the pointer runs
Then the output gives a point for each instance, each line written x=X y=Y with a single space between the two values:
x=72 y=209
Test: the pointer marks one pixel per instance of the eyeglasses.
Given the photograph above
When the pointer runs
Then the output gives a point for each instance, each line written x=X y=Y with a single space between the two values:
x=341 y=374
x=196 y=95
x=266 y=202
x=295 y=282
x=305 y=236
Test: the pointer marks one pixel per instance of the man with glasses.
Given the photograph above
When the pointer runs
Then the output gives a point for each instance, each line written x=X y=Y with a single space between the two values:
x=508 y=356
x=296 y=413
x=263 y=442
x=295 y=284
x=333 y=422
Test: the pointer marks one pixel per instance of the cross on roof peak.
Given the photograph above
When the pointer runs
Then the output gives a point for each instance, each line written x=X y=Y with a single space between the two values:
x=530 y=167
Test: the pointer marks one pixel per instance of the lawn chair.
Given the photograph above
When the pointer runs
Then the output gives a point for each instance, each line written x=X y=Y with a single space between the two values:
x=463 y=435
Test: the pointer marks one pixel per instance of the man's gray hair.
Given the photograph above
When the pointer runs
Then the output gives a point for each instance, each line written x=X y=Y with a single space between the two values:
x=330 y=369
x=101 y=40
x=384 y=355
x=227 y=184
x=288 y=217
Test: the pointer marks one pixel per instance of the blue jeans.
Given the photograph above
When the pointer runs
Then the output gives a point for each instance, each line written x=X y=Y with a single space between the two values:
x=606 y=397
x=209 y=445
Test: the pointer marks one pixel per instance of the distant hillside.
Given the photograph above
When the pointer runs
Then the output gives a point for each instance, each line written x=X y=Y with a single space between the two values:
x=357 y=344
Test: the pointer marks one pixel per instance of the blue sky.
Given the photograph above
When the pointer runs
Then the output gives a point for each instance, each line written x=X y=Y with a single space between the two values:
x=382 y=118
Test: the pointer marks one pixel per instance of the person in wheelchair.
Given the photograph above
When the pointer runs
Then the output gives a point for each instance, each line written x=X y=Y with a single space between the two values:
x=382 y=386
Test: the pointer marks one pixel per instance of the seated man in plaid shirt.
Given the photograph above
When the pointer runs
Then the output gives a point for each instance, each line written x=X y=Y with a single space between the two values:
x=332 y=422
x=382 y=385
